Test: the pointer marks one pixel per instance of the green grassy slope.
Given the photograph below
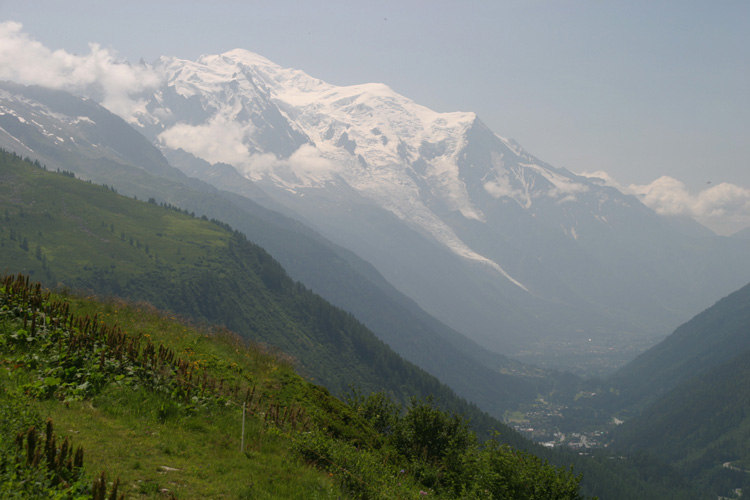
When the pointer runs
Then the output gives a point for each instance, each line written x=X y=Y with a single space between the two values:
x=135 y=420
x=158 y=405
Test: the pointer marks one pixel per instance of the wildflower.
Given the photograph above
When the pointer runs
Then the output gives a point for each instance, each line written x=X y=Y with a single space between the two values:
x=422 y=493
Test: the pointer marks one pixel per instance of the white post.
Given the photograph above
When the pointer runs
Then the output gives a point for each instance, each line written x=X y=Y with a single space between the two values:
x=242 y=441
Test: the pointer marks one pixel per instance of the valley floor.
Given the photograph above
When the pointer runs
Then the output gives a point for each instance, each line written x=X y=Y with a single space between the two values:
x=586 y=357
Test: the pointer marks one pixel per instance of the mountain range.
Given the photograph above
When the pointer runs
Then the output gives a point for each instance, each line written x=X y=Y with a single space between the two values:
x=84 y=237
x=522 y=257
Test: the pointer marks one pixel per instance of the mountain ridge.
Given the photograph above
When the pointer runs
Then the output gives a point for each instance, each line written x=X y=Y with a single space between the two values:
x=101 y=241
x=49 y=229
x=269 y=277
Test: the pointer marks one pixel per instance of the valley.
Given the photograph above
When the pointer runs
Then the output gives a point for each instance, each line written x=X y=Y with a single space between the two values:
x=555 y=425
x=146 y=233
x=586 y=357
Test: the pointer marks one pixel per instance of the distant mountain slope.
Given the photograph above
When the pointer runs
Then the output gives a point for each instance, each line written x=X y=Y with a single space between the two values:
x=710 y=339
x=332 y=271
x=743 y=234
x=686 y=400
x=702 y=426
x=515 y=253
x=57 y=127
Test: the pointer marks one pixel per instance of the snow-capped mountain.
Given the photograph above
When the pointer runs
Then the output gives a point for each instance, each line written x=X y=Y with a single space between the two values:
x=485 y=236
x=383 y=146
x=401 y=155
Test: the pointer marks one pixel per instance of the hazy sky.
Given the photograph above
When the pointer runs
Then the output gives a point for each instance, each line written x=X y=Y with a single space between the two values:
x=637 y=89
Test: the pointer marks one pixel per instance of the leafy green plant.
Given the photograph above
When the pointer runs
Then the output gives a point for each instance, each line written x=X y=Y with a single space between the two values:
x=139 y=378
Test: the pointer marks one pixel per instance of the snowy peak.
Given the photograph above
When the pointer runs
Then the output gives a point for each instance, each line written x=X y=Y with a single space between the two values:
x=286 y=130
x=369 y=122
x=238 y=108
x=211 y=74
x=241 y=57
x=219 y=109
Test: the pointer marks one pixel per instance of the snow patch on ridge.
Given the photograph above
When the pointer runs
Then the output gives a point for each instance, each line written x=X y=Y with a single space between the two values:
x=563 y=188
x=521 y=182
x=417 y=214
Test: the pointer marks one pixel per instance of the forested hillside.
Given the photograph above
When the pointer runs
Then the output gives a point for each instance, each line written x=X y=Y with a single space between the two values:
x=702 y=427
x=686 y=401
x=86 y=237
x=708 y=340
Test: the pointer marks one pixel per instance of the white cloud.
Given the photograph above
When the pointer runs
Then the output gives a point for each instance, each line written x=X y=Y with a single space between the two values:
x=668 y=196
x=220 y=140
x=500 y=186
x=305 y=166
x=258 y=165
x=308 y=161
x=97 y=74
x=723 y=199
x=723 y=207
x=603 y=178
x=223 y=140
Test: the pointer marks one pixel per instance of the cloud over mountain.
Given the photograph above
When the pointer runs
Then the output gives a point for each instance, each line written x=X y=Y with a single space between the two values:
x=721 y=206
x=219 y=140
x=97 y=75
